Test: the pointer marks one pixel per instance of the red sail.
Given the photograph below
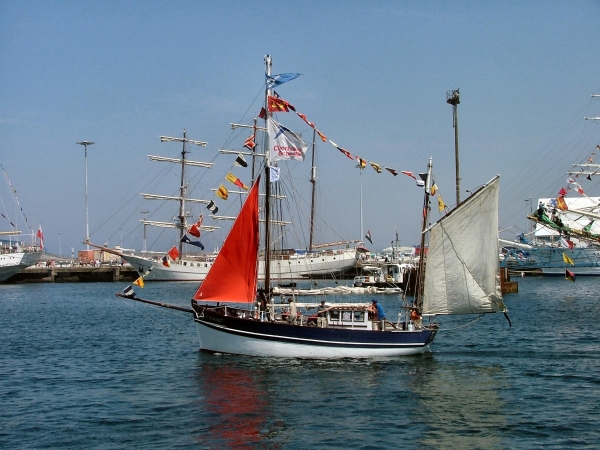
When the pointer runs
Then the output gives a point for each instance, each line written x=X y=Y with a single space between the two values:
x=232 y=277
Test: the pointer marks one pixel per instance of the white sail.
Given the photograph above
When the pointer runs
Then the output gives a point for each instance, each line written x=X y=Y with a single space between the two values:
x=462 y=275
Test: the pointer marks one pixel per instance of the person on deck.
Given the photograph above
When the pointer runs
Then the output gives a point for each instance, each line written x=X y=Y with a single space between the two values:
x=293 y=316
x=377 y=314
x=322 y=315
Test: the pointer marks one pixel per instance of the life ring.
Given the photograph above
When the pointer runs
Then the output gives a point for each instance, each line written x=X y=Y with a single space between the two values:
x=376 y=279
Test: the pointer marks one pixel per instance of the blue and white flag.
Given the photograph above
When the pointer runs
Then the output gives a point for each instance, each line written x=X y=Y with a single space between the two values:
x=129 y=292
x=274 y=174
x=187 y=240
x=284 y=143
x=275 y=80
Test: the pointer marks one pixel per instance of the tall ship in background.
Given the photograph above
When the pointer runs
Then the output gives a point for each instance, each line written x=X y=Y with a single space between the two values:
x=566 y=232
x=17 y=250
x=314 y=261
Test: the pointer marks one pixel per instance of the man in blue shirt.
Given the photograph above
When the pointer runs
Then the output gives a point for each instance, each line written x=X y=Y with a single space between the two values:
x=378 y=314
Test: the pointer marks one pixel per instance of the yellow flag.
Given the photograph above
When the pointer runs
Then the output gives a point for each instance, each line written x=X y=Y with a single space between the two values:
x=376 y=166
x=441 y=204
x=434 y=188
x=235 y=180
x=139 y=282
x=222 y=192
x=567 y=260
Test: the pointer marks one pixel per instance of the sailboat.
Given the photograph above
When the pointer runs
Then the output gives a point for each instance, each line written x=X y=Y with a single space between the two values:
x=567 y=230
x=15 y=254
x=317 y=261
x=461 y=277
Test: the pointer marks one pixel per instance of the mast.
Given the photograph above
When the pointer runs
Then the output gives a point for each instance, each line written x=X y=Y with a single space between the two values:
x=361 y=208
x=267 y=190
x=182 y=218
x=453 y=98
x=313 y=180
x=182 y=189
x=421 y=269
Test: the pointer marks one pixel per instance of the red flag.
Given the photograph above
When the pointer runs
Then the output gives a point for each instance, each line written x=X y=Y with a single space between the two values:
x=569 y=275
x=40 y=236
x=174 y=253
x=194 y=230
x=570 y=243
x=344 y=151
x=250 y=142
x=562 y=192
x=275 y=104
x=321 y=135
x=262 y=114
x=410 y=174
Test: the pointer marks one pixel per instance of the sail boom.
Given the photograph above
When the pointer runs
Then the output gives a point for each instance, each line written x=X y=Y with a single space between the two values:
x=167 y=197
x=187 y=162
x=237 y=152
x=155 y=223
x=174 y=139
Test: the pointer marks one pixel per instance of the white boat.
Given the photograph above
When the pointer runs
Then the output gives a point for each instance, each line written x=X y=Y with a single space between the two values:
x=289 y=266
x=233 y=315
x=15 y=253
x=461 y=277
x=387 y=275
x=564 y=239
x=16 y=257
x=567 y=227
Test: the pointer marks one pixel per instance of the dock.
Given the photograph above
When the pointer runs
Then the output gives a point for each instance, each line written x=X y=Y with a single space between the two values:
x=74 y=274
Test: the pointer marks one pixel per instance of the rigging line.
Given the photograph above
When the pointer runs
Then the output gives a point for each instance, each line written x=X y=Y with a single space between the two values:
x=170 y=330
x=462 y=326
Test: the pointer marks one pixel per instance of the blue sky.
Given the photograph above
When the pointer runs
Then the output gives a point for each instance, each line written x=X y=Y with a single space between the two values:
x=374 y=80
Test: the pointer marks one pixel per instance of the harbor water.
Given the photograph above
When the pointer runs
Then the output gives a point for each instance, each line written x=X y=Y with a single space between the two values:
x=81 y=368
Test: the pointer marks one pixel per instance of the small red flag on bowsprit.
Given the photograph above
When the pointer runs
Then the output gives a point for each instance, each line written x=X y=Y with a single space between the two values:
x=165 y=261
x=174 y=253
x=569 y=275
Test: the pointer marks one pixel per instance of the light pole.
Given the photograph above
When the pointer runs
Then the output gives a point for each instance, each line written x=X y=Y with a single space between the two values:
x=144 y=221
x=87 y=220
x=530 y=212
x=453 y=98
x=59 y=246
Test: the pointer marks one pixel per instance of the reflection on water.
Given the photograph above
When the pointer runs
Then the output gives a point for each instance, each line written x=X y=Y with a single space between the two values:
x=460 y=406
x=419 y=402
x=234 y=402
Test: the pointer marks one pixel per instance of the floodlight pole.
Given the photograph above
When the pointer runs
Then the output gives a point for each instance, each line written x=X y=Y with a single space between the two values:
x=453 y=98
x=87 y=219
x=144 y=213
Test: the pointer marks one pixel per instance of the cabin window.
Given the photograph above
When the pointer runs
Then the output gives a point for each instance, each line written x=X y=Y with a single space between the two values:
x=185 y=263
x=359 y=316
x=335 y=315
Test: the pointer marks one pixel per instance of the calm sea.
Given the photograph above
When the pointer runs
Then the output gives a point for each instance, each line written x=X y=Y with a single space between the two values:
x=80 y=368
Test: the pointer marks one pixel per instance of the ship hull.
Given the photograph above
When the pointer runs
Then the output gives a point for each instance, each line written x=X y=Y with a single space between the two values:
x=219 y=333
x=295 y=267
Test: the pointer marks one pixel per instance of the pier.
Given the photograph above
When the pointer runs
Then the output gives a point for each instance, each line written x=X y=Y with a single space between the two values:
x=74 y=274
